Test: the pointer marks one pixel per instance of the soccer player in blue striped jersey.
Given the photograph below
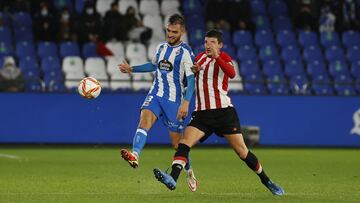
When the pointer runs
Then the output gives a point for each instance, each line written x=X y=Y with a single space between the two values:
x=167 y=99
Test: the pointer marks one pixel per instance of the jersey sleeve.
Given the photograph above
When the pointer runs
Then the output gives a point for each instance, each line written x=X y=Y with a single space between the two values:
x=188 y=61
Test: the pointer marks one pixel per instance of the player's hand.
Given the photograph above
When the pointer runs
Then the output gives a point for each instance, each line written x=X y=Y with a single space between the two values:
x=125 y=67
x=195 y=68
x=183 y=110
x=215 y=53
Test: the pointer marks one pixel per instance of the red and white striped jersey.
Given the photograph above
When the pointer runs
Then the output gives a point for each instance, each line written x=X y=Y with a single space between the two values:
x=211 y=83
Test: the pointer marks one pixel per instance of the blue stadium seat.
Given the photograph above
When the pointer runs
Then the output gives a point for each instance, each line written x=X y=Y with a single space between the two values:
x=321 y=79
x=268 y=53
x=290 y=53
x=22 y=19
x=286 y=38
x=345 y=90
x=313 y=53
x=5 y=35
x=198 y=49
x=277 y=8
x=249 y=67
x=197 y=37
x=264 y=37
x=53 y=78
x=69 y=49
x=6 y=19
x=31 y=75
x=56 y=86
x=229 y=49
x=294 y=67
x=322 y=89
x=246 y=53
x=23 y=33
x=281 y=23
x=328 y=39
x=258 y=7
x=261 y=22
x=195 y=21
x=272 y=67
x=316 y=67
x=308 y=38
x=192 y=7
x=34 y=86
x=353 y=53
x=254 y=78
x=47 y=49
x=28 y=63
x=344 y=85
x=50 y=63
x=60 y=4
x=255 y=88
x=334 y=53
x=227 y=38
x=299 y=84
x=351 y=38
x=355 y=69
x=25 y=48
x=338 y=67
x=89 y=50
x=278 y=88
x=5 y=49
x=242 y=37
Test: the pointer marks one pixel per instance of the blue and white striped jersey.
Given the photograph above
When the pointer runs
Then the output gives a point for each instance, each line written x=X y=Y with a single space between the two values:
x=172 y=64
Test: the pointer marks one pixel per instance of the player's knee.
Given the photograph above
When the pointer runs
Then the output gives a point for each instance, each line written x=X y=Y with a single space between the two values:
x=145 y=123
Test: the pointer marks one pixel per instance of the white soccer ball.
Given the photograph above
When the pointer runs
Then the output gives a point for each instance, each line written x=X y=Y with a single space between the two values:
x=89 y=88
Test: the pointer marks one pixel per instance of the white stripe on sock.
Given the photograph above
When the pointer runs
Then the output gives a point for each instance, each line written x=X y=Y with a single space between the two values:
x=181 y=162
x=141 y=131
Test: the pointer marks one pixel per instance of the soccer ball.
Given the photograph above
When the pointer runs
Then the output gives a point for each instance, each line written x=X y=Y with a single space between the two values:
x=89 y=88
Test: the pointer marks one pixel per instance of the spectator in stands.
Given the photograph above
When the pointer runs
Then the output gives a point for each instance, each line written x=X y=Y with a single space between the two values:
x=137 y=31
x=66 y=26
x=90 y=24
x=44 y=24
x=329 y=13
x=239 y=15
x=350 y=15
x=101 y=48
x=305 y=19
x=215 y=15
x=11 y=79
x=114 y=28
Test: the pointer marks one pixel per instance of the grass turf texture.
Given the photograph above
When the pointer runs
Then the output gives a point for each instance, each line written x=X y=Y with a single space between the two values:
x=87 y=174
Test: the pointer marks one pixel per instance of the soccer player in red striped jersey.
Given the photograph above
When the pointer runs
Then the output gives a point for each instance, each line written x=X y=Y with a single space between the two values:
x=214 y=113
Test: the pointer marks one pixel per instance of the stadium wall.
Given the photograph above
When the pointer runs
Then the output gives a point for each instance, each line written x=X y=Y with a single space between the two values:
x=112 y=119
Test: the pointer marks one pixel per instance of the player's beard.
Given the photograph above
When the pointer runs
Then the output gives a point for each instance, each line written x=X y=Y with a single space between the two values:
x=174 y=41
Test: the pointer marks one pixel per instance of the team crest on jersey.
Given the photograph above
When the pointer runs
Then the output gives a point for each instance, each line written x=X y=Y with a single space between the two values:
x=165 y=66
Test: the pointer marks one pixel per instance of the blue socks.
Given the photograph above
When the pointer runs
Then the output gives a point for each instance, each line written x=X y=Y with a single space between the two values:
x=139 y=140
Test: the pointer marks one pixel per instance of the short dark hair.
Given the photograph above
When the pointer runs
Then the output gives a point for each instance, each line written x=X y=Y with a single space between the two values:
x=216 y=34
x=176 y=19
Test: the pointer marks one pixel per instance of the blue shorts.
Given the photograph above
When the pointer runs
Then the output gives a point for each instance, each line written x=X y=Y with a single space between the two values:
x=166 y=110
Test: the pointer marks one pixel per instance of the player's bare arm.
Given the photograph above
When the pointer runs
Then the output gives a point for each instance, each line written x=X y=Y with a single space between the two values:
x=125 y=67
x=183 y=110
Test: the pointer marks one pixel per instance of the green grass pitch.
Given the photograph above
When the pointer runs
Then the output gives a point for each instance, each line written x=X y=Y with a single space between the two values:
x=97 y=174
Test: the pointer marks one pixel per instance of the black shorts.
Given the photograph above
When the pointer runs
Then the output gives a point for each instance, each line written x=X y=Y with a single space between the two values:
x=219 y=121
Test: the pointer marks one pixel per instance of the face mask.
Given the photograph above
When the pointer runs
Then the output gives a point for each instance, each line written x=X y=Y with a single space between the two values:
x=65 y=17
x=44 y=12
x=90 y=11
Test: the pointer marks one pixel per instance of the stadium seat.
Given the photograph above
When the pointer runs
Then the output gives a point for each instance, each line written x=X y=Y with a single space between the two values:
x=169 y=7
x=6 y=19
x=149 y=7
x=152 y=50
x=53 y=78
x=355 y=69
x=191 y=7
x=345 y=90
x=261 y=22
x=338 y=67
x=246 y=53
x=328 y=39
x=135 y=51
x=5 y=35
x=23 y=33
x=73 y=68
x=277 y=8
x=286 y=38
x=142 y=81
x=263 y=38
x=268 y=53
x=125 y=4
x=278 y=89
x=290 y=53
x=229 y=49
x=89 y=50
x=24 y=49
x=47 y=49
x=353 y=53
x=294 y=67
x=195 y=22
x=281 y=23
x=308 y=38
x=95 y=67
x=5 y=49
x=156 y=24
x=272 y=67
x=351 y=38
x=197 y=37
x=322 y=89
x=79 y=5
x=22 y=19
x=50 y=64
x=69 y=49
x=33 y=86
x=235 y=84
x=255 y=88
x=299 y=84
x=242 y=38
x=313 y=53
x=117 y=48
x=258 y=7
x=61 y=4
x=316 y=67
x=198 y=49
x=28 y=63
x=103 y=6
x=334 y=53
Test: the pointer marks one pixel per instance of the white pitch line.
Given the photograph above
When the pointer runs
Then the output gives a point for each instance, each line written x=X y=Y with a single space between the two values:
x=9 y=156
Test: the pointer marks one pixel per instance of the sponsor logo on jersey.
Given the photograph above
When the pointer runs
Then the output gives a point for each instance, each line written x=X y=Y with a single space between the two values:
x=165 y=66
